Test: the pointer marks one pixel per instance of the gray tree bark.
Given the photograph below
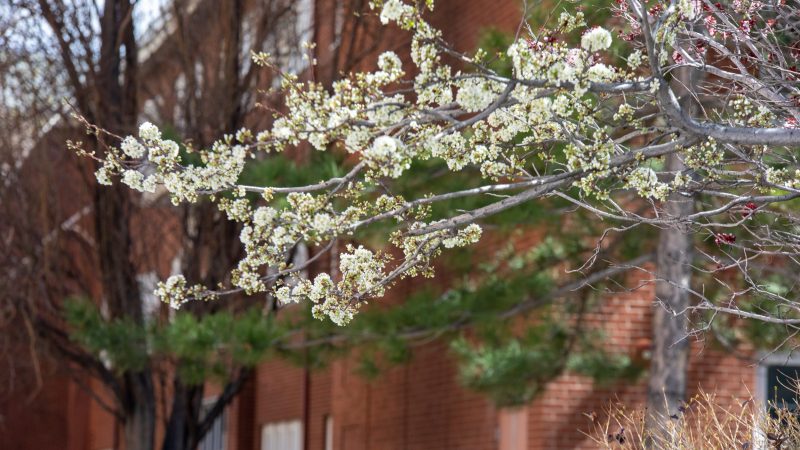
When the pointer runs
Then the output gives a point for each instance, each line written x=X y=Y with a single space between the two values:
x=668 y=368
x=667 y=382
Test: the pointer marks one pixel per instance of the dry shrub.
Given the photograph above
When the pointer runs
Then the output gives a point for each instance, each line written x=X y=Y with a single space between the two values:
x=704 y=423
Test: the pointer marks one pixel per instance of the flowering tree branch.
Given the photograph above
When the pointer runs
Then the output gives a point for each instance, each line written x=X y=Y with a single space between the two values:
x=572 y=121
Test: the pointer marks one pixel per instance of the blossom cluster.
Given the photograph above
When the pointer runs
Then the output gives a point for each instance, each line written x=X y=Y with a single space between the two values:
x=175 y=291
x=358 y=113
x=222 y=165
x=596 y=39
x=564 y=115
x=645 y=181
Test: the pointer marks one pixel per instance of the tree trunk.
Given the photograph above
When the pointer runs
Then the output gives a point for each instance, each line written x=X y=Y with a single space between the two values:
x=182 y=430
x=140 y=412
x=667 y=383
x=669 y=363
x=116 y=111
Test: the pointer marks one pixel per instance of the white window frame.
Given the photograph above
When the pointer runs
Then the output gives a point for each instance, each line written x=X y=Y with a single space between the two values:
x=282 y=435
x=512 y=428
x=771 y=359
x=328 y=432
x=765 y=360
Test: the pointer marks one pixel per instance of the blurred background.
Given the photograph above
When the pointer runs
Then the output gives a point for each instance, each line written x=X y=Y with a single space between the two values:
x=499 y=351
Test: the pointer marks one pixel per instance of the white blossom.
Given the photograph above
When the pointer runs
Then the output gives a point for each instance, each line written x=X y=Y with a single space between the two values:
x=390 y=63
x=284 y=295
x=134 y=179
x=635 y=59
x=596 y=39
x=386 y=156
x=322 y=223
x=103 y=176
x=645 y=181
x=688 y=8
x=321 y=288
x=469 y=235
x=149 y=132
x=174 y=291
x=281 y=129
x=600 y=73
x=475 y=94
x=361 y=270
x=131 y=147
x=264 y=216
x=393 y=10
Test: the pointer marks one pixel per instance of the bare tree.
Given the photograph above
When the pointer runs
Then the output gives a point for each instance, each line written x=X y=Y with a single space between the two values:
x=62 y=242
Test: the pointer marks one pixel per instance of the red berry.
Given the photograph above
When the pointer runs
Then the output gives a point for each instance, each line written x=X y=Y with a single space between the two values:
x=749 y=207
x=724 y=238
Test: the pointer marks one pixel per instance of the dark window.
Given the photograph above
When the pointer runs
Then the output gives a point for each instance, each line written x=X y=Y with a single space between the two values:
x=782 y=386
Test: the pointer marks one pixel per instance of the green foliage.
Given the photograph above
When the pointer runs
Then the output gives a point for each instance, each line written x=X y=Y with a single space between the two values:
x=762 y=334
x=122 y=343
x=187 y=158
x=513 y=371
x=603 y=367
x=508 y=360
x=495 y=43
x=282 y=170
x=202 y=348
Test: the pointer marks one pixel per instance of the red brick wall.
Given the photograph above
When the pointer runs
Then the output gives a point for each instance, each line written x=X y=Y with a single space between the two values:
x=416 y=406
x=39 y=422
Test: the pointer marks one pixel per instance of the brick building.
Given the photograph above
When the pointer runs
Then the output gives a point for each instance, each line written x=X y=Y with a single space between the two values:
x=417 y=406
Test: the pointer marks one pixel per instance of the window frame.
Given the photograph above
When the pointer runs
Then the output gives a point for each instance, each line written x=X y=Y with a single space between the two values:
x=512 y=428
x=287 y=424
x=765 y=361
x=327 y=426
